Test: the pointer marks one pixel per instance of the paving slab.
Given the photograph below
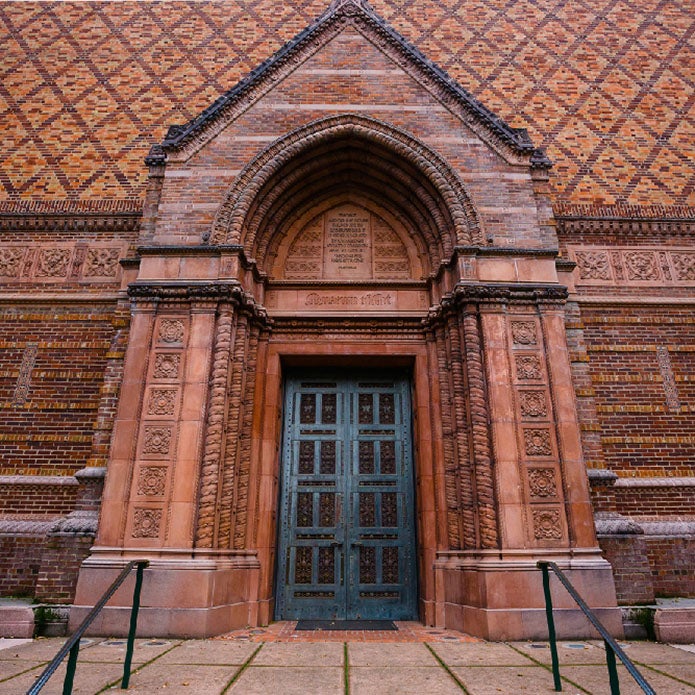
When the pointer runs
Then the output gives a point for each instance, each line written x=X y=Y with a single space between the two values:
x=595 y=680
x=209 y=652
x=206 y=679
x=483 y=680
x=308 y=654
x=8 y=669
x=262 y=680
x=568 y=652
x=407 y=680
x=89 y=679
x=113 y=650
x=375 y=654
x=480 y=653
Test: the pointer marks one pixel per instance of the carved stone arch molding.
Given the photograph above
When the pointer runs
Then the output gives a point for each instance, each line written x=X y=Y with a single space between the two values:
x=340 y=153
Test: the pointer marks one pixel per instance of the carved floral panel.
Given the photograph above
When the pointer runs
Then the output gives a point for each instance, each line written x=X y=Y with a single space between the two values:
x=524 y=333
x=69 y=262
x=633 y=265
x=547 y=525
x=152 y=481
x=146 y=523
x=542 y=483
x=537 y=442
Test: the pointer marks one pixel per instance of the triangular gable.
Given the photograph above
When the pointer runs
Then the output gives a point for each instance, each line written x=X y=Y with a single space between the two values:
x=513 y=144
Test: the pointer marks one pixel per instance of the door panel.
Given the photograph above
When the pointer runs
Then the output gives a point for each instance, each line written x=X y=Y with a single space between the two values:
x=347 y=539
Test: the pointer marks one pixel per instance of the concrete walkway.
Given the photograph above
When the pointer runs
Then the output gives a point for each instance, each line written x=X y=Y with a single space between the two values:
x=439 y=667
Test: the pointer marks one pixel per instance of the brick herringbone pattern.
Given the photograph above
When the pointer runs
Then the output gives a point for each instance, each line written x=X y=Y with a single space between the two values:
x=606 y=86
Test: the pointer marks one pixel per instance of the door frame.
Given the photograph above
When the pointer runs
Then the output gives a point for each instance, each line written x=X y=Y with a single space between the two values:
x=417 y=356
x=350 y=376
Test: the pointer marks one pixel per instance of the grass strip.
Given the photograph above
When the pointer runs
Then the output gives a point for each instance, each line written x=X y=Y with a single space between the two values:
x=346 y=669
x=243 y=668
x=447 y=669
x=548 y=668
x=21 y=673
x=110 y=685
x=663 y=673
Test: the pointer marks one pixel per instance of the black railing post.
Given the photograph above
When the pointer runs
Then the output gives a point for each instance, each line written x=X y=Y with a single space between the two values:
x=612 y=670
x=72 y=645
x=133 y=626
x=612 y=647
x=71 y=668
x=551 y=626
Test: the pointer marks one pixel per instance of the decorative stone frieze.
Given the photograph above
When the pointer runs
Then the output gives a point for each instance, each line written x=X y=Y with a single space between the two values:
x=79 y=261
x=633 y=265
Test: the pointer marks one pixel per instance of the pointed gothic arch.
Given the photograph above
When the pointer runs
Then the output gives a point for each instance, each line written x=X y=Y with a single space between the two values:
x=348 y=154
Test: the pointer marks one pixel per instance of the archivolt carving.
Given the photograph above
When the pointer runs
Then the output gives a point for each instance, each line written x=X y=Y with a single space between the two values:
x=229 y=225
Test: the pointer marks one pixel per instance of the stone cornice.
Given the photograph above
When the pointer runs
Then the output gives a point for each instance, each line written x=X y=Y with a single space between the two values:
x=70 y=222
x=495 y=295
x=186 y=292
x=506 y=251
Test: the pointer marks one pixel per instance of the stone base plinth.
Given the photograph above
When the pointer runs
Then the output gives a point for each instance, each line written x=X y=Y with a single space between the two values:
x=194 y=596
x=500 y=596
x=16 y=619
x=675 y=624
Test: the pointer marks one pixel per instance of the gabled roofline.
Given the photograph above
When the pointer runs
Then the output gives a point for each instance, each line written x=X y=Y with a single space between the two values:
x=180 y=137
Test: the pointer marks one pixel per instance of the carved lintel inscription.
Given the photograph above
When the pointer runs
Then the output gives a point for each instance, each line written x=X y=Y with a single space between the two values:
x=368 y=300
x=347 y=247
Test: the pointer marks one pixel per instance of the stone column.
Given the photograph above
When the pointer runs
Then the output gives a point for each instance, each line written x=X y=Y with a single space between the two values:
x=530 y=485
x=168 y=433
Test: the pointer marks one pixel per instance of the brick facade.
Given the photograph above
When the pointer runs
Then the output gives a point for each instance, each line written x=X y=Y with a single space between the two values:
x=80 y=219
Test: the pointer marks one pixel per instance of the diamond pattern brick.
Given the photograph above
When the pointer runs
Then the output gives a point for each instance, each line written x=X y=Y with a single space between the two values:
x=607 y=87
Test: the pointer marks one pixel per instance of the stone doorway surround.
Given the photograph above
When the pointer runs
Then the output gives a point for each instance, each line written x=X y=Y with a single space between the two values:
x=274 y=238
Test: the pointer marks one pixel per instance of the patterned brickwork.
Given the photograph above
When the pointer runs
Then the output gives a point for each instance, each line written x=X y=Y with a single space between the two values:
x=51 y=431
x=641 y=431
x=606 y=86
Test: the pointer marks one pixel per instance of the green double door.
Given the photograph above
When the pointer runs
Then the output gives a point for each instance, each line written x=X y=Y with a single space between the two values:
x=346 y=533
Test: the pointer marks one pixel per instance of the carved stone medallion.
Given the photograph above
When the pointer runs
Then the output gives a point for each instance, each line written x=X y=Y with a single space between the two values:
x=152 y=481
x=537 y=442
x=546 y=524
x=528 y=367
x=533 y=404
x=162 y=402
x=166 y=366
x=171 y=331
x=541 y=482
x=157 y=440
x=524 y=333
x=146 y=523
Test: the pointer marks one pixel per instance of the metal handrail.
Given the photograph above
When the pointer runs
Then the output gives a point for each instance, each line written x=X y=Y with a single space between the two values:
x=613 y=649
x=73 y=644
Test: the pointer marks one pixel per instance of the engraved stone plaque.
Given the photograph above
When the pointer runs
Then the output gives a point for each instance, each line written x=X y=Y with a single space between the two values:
x=348 y=243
